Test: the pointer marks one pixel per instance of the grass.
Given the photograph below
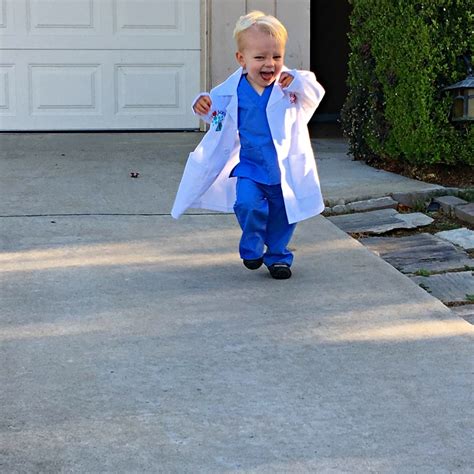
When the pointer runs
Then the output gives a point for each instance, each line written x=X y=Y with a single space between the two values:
x=421 y=285
x=419 y=206
x=422 y=272
x=467 y=195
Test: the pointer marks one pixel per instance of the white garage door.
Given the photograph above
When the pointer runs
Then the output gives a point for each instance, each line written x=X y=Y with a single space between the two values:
x=98 y=64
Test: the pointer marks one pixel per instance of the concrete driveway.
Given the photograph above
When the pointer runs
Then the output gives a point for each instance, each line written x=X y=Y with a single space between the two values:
x=131 y=342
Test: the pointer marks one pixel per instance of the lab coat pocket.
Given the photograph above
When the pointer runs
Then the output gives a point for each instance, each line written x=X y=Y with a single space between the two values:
x=303 y=176
x=194 y=180
x=192 y=184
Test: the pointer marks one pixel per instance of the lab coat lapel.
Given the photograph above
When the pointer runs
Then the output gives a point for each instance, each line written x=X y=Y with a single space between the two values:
x=229 y=88
x=232 y=108
x=277 y=92
x=276 y=95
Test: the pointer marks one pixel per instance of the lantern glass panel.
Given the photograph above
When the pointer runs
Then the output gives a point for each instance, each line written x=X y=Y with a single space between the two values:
x=470 y=104
x=458 y=107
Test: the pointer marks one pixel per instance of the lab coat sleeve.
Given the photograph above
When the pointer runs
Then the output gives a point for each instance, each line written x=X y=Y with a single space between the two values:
x=309 y=92
x=207 y=118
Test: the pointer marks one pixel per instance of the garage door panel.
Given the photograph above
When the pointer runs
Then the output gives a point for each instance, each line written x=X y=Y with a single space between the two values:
x=6 y=18
x=59 y=16
x=65 y=89
x=90 y=90
x=3 y=14
x=99 y=64
x=7 y=90
x=101 y=24
x=136 y=17
x=137 y=90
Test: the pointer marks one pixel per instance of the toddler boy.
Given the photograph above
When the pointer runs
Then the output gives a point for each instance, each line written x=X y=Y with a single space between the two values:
x=257 y=151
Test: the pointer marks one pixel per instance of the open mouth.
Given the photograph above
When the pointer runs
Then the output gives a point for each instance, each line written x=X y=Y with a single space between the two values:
x=267 y=75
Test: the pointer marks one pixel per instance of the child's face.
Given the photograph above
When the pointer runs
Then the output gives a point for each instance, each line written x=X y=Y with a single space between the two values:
x=262 y=56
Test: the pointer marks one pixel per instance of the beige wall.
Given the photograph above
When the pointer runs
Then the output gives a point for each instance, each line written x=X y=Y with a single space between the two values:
x=219 y=17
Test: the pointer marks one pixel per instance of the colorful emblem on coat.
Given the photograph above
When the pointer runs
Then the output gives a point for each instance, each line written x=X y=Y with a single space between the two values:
x=292 y=98
x=217 y=119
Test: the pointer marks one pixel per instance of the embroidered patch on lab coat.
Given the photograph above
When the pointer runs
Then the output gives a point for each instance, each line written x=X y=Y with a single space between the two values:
x=217 y=119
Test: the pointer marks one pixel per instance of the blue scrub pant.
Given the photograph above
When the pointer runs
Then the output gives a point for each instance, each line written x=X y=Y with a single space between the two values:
x=260 y=210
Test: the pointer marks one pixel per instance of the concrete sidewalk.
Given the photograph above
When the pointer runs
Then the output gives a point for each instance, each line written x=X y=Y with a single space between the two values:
x=131 y=342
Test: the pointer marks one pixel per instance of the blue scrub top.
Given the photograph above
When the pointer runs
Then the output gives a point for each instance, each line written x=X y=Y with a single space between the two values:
x=258 y=157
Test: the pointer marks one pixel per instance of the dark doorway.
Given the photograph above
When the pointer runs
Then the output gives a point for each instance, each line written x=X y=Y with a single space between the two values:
x=329 y=57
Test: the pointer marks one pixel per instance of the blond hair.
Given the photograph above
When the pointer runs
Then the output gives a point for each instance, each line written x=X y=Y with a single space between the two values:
x=266 y=23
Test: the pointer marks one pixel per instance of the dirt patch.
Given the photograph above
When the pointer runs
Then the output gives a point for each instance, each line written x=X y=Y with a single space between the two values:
x=459 y=176
x=440 y=223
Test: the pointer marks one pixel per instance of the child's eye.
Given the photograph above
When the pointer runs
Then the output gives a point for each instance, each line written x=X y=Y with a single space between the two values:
x=258 y=57
x=276 y=57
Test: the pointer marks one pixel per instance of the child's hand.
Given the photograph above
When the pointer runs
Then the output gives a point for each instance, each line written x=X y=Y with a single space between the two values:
x=203 y=105
x=285 y=79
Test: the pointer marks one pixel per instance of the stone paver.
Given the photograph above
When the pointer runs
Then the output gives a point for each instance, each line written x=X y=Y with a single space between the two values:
x=466 y=312
x=414 y=198
x=449 y=203
x=372 y=204
x=339 y=209
x=419 y=252
x=466 y=212
x=415 y=219
x=448 y=287
x=462 y=237
x=379 y=222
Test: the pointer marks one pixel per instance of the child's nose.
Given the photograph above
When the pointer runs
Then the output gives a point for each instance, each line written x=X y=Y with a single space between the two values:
x=269 y=62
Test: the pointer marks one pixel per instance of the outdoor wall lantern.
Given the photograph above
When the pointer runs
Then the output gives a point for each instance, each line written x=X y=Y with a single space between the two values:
x=463 y=96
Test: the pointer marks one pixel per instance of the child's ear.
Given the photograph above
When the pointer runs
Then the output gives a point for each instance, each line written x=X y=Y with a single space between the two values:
x=240 y=58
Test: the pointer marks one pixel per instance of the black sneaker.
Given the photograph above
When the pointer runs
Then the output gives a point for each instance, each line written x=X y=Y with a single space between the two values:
x=280 y=271
x=253 y=264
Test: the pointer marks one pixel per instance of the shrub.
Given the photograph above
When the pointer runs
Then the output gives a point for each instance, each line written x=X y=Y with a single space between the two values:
x=403 y=53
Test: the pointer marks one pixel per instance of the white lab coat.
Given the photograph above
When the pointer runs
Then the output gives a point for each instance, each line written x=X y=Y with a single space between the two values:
x=206 y=184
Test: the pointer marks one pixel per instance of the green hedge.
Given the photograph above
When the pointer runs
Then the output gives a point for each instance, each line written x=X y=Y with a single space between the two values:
x=403 y=52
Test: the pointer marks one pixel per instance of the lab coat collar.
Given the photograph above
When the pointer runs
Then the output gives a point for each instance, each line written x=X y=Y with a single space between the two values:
x=229 y=88
x=277 y=92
